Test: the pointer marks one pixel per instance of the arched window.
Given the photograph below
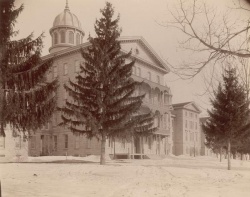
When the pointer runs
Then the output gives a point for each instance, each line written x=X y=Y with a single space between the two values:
x=139 y=71
x=78 y=38
x=159 y=97
x=149 y=76
x=158 y=121
x=62 y=33
x=55 y=38
x=71 y=37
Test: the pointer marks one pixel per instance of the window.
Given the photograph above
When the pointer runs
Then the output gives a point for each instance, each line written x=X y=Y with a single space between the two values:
x=159 y=97
x=158 y=121
x=77 y=66
x=149 y=76
x=62 y=33
x=77 y=38
x=196 y=125
x=66 y=141
x=46 y=126
x=133 y=70
x=111 y=142
x=71 y=37
x=33 y=142
x=186 y=135
x=190 y=124
x=123 y=144
x=54 y=71
x=196 y=136
x=54 y=142
x=149 y=142
x=55 y=38
x=2 y=142
x=186 y=113
x=65 y=69
x=18 y=142
x=158 y=79
x=165 y=120
x=139 y=71
x=54 y=119
x=186 y=124
x=77 y=141
x=88 y=143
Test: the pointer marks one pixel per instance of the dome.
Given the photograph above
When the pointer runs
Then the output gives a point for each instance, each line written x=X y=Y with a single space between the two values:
x=66 y=31
x=66 y=18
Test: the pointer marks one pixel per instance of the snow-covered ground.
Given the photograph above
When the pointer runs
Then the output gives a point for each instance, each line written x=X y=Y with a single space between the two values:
x=170 y=177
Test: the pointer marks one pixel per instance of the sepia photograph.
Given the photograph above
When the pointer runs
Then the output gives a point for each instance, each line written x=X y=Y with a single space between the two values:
x=135 y=98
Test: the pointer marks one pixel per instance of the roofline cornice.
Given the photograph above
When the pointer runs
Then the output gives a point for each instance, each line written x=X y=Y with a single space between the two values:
x=146 y=63
x=66 y=26
x=75 y=49
x=147 y=47
x=185 y=107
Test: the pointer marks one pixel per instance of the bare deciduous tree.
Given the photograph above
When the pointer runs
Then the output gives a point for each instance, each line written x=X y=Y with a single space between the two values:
x=209 y=35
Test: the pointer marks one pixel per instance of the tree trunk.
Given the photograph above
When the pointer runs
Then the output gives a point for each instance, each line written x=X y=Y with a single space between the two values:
x=2 y=133
x=229 y=155
x=103 y=144
x=2 y=53
x=241 y=156
x=220 y=154
x=114 y=149
x=132 y=148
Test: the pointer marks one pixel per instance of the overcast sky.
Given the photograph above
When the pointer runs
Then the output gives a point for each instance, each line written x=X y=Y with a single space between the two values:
x=137 y=18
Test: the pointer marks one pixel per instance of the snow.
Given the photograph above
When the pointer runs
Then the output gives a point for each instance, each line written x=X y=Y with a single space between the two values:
x=83 y=176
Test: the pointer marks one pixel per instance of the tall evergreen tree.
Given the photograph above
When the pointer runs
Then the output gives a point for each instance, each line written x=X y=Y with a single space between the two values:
x=26 y=101
x=103 y=103
x=229 y=113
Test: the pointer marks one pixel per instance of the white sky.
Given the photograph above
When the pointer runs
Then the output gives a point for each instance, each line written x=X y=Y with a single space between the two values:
x=137 y=18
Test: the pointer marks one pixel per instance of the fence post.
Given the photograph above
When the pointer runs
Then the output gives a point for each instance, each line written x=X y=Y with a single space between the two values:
x=0 y=190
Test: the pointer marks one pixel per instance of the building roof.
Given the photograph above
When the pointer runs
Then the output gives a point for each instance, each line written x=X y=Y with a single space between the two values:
x=140 y=40
x=180 y=104
x=66 y=18
x=161 y=65
x=185 y=105
x=203 y=119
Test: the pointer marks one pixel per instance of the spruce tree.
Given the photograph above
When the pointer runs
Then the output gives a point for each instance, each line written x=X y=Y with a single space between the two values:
x=26 y=99
x=103 y=102
x=229 y=113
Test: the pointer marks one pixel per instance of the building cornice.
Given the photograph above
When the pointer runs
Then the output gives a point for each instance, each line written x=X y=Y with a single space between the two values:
x=76 y=49
x=147 y=47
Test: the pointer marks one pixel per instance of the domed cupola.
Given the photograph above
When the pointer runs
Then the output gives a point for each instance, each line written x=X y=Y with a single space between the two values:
x=66 y=31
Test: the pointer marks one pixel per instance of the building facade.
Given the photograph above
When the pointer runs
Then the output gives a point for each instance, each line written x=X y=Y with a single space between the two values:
x=205 y=151
x=13 y=147
x=187 y=133
x=149 y=69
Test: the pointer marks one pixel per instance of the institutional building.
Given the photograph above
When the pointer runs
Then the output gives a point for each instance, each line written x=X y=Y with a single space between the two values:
x=13 y=147
x=205 y=151
x=187 y=133
x=67 y=40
